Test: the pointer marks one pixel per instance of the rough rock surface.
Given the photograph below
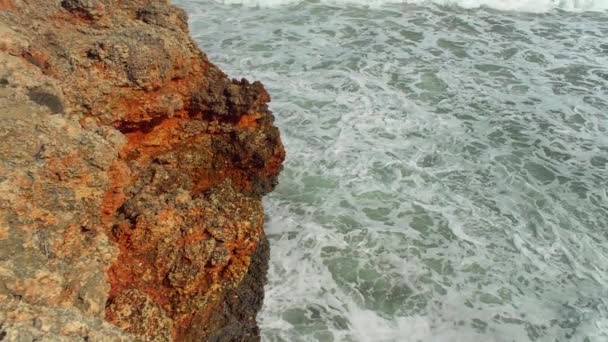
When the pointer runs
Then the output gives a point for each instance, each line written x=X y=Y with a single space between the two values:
x=131 y=176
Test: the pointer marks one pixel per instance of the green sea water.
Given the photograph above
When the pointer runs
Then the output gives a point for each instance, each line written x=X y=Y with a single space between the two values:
x=447 y=168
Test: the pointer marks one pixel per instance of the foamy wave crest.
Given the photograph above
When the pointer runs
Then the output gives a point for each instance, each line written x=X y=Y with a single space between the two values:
x=506 y=5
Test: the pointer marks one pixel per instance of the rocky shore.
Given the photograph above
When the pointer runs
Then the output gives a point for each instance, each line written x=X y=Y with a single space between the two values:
x=131 y=177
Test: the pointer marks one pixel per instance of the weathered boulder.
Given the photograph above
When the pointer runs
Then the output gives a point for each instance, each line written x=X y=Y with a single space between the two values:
x=131 y=176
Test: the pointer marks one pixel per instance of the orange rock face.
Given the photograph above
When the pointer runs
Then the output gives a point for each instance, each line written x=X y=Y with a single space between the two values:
x=132 y=171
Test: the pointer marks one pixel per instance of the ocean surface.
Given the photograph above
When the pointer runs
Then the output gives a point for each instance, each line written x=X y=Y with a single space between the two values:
x=447 y=169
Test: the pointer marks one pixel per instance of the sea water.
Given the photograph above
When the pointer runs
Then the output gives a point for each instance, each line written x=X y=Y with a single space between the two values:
x=447 y=168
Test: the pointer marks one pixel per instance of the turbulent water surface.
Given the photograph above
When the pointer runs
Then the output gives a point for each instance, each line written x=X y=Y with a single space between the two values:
x=446 y=177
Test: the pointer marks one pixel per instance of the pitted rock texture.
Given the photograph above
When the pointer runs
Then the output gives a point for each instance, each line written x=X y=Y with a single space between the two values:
x=131 y=175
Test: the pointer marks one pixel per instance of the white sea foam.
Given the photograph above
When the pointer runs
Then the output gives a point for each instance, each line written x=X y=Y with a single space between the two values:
x=446 y=169
x=506 y=5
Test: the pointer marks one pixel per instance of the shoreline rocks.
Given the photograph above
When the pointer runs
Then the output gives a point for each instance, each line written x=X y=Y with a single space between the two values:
x=131 y=173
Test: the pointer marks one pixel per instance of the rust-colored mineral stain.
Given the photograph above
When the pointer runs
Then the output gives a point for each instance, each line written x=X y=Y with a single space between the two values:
x=249 y=120
x=38 y=58
x=6 y=5
x=158 y=137
x=195 y=236
x=126 y=274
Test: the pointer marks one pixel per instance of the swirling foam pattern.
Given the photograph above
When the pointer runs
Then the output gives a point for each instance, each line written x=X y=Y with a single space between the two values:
x=447 y=169
x=508 y=5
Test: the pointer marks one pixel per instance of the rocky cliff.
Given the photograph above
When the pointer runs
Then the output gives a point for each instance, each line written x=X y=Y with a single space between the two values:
x=131 y=176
